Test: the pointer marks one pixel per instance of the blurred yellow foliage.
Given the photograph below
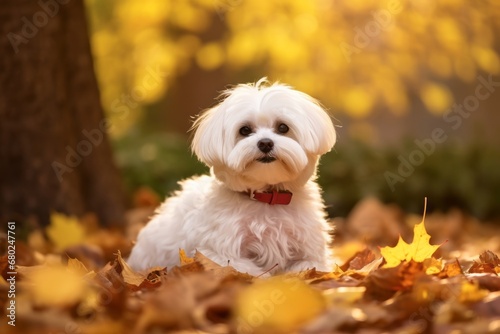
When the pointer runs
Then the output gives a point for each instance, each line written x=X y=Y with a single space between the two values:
x=55 y=286
x=436 y=97
x=354 y=55
x=277 y=305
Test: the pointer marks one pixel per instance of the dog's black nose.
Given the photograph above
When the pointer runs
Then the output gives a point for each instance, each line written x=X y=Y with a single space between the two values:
x=265 y=145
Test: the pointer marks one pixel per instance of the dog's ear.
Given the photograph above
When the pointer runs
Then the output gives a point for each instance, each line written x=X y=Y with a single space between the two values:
x=208 y=141
x=318 y=133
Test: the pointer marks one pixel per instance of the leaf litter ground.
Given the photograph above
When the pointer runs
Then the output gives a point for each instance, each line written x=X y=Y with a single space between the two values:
x=389 y=278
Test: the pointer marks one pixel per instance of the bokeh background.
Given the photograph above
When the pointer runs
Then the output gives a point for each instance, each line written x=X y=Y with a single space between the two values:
x=390 y=73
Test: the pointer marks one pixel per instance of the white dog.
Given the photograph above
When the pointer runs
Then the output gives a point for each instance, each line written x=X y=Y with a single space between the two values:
x=260 y=207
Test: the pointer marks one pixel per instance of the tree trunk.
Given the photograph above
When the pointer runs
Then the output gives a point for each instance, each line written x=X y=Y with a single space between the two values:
x=54 y=151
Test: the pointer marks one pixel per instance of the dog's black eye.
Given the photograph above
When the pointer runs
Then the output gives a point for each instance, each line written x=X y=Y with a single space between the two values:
x=245 y=131
x=283 y=128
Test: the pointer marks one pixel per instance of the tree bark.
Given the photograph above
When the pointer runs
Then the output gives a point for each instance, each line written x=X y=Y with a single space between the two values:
x=55 y=153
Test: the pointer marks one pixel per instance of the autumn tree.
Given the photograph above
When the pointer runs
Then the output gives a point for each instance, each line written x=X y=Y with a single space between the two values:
x=55 y=153
x=356 y=56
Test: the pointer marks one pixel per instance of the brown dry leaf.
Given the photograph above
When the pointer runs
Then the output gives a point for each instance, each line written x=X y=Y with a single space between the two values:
x=130 y=276
x=77 y=267
x=218 y=270
x=489 y=257
x=488 y=263
x=382 y=283
x=478 y=267
x=194 y=267
x=91 y=256
x=368 y=268
x=113 y=290
x=359 y=260
x=171 y=306
x=155 y=277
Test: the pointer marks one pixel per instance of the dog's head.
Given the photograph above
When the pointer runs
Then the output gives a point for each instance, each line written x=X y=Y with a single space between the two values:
x=263 y=135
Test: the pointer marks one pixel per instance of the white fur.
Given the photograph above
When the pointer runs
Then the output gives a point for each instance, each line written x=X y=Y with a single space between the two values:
x=215 y=214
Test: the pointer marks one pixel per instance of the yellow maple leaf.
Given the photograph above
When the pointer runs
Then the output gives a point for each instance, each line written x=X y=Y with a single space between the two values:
x=65 y=231
x=419 y=250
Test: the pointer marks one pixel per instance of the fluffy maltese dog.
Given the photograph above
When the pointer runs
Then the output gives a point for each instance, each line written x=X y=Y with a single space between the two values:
x=260 y=207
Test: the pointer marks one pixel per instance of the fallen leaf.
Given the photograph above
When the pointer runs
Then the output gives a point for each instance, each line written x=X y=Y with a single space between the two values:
x=130 y=276
x=451 y=269
x=55 y=286
x=277 y=305
x=359 y=260
x=382 y=283
x=77 y=267
x=488 y=263
x=478 y=267
x=91 y=256
x=218 y=270
x=433 y=266
x=65 y=231
x=368 y=268
x=419 y=250
x=489 y=257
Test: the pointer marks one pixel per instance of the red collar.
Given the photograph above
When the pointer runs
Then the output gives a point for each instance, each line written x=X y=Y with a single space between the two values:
x=273 y=197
